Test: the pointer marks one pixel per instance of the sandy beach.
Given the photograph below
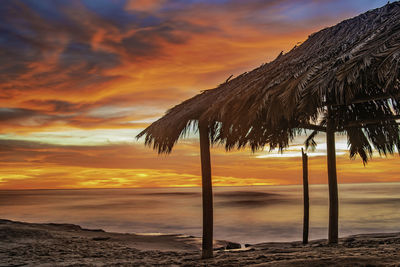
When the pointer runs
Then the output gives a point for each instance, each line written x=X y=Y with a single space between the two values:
x=27 y=244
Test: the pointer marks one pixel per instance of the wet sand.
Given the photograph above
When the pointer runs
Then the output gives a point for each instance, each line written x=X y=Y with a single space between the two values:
x=26 y=244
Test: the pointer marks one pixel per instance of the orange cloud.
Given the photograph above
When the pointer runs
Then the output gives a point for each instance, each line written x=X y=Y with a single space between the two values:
x=144 y=5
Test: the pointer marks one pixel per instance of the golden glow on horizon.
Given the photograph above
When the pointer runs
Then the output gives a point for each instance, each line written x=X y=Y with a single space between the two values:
x=122 y=166
x=58 y=177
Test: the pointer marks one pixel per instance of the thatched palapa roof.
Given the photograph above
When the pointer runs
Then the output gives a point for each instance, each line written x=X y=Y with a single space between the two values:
x=340 y=66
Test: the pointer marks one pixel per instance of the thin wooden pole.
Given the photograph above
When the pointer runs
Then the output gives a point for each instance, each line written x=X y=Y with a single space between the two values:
x=305 y=197
x=207 y=246
x=332 y=181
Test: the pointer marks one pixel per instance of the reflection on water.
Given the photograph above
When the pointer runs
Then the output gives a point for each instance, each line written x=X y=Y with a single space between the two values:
x=242 y=214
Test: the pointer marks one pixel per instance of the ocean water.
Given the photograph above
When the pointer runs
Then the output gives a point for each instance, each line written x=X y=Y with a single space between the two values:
x=241 y=214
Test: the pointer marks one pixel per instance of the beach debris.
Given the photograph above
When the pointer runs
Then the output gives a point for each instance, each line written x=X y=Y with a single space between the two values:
x=232 y=245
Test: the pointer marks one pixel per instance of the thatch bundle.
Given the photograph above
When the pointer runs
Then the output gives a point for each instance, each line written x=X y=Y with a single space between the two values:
x=177 y=122
x=357 y=59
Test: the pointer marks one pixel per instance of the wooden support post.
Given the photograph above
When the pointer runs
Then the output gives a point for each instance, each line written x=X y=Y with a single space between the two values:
x=306 y=216
x=332 y=181
x=207 y=246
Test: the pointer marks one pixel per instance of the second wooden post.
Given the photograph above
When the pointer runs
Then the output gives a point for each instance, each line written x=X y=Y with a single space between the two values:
x=207 y=245
x=306 y=217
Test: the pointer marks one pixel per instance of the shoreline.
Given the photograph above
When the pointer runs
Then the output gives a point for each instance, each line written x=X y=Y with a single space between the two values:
x=49 y=244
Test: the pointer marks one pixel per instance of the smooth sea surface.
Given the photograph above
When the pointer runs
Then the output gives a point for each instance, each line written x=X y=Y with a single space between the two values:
x=242 y=214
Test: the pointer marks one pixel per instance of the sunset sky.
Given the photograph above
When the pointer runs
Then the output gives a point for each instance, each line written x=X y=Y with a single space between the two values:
x=80 y=79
